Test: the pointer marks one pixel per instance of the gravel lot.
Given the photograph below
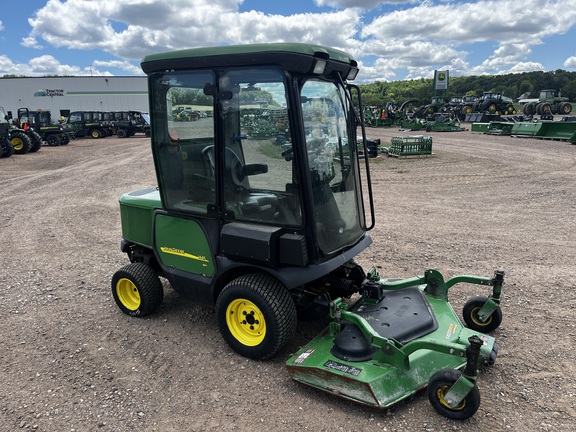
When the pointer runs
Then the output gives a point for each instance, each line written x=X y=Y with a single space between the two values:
x=71 y=361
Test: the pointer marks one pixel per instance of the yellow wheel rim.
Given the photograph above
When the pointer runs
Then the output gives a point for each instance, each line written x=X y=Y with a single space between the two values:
x=246 y=322
x=441 y=392
x=128 y=294
x=475 y=320
x=17 y=143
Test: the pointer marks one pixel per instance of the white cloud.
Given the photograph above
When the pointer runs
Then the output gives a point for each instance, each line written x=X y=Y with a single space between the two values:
x=416 y=39
x=45 y=65
x=362 y=4
x=118 y=64
x=570 y=62
x=154 y=25
x=31 y=42
x=525 y=67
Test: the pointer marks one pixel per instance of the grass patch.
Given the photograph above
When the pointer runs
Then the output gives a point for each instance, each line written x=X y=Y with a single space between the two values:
x=270 y=150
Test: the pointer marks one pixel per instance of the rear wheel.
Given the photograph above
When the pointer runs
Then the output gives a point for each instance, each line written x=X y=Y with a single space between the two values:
x=565 y=108
x=21 y=142
x=137 y=290
x=256 y=316
x=53 y=140
x=438 y=387
x=96 y=133
x=121 y=133
x=37 y=141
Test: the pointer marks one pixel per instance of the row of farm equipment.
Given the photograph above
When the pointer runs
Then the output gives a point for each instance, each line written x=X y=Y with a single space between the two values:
x=30 y=130
x=444 y=114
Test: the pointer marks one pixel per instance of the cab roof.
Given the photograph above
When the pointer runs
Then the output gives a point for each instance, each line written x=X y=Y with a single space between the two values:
x=293 y=57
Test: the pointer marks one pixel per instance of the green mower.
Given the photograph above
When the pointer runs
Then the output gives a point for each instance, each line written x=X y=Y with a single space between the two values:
x=260 y=211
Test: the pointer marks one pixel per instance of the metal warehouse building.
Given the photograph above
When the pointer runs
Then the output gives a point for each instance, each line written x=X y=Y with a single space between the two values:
x=61 y=95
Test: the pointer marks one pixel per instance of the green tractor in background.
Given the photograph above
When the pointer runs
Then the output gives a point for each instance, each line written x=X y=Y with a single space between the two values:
x=549 y=102
x=267 y=229
x=6 y=148
x=494 y=103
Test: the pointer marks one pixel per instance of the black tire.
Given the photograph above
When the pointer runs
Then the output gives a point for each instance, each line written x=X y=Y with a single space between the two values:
x=96 y=133
x=21 y=142
x=529 y=109
x=8 y=150
x=439 y=385
x=121 y=133
x=137 y=289
x=53 y=140
x=256 y=316
x=37 y=141
x=64 y=139
x=470 y=315
x=565 y=108
x=546 y=108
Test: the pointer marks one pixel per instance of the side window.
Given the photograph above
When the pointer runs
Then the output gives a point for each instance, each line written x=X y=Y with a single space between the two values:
x=182 y=142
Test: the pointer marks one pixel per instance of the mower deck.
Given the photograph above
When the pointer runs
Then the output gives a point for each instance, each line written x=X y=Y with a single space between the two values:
x=378 y=352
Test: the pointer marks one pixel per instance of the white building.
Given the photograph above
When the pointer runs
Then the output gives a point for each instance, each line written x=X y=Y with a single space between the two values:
x=61 y=95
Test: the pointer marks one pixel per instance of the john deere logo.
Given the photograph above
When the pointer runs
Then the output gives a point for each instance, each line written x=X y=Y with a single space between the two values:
x=441 y=76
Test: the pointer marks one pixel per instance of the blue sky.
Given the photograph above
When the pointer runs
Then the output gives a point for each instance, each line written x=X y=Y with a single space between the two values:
x=393 y=40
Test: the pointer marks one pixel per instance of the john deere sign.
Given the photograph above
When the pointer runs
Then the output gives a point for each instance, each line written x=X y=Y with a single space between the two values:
x=441 y=80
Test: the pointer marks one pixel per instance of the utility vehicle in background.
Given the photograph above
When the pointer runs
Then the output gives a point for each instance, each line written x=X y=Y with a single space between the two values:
x=40 y=123
x=267 y=229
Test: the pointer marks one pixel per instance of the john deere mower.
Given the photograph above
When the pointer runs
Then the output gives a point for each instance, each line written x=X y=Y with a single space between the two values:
x=267 y=229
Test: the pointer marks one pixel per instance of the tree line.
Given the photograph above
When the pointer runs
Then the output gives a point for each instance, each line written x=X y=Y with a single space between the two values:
x=511 y=85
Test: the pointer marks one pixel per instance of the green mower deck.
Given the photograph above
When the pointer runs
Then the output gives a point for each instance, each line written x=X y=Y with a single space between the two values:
x=381 y=350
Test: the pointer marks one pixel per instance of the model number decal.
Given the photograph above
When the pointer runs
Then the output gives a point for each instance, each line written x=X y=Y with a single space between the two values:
x=303 y=356
x=182 y=253
x=343 y=368
x=451 y=331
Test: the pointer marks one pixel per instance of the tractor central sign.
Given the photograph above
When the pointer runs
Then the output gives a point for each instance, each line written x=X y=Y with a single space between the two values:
x=50 y=92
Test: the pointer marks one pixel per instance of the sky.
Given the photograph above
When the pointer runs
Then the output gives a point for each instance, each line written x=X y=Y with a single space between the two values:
x=392 y=40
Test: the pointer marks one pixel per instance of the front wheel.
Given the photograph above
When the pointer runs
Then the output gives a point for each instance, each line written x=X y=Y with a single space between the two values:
x=137 y=290
x=256 y=316
x=473 y=322
x=438 y=387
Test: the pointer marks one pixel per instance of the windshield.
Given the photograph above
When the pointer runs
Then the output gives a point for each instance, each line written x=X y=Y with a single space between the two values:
x=338 y=214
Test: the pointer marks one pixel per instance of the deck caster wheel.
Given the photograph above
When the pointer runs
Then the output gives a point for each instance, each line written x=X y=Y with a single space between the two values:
x=137 y=290
x=438 y=387
x=473 y=322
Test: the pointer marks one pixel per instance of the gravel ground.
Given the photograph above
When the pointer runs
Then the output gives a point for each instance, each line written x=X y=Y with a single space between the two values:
x=71 y=361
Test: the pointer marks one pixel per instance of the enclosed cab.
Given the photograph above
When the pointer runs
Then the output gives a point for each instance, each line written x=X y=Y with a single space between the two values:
x=262 y=193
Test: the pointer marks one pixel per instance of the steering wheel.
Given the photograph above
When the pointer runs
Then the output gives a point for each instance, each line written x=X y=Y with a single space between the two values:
x=233 y=172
